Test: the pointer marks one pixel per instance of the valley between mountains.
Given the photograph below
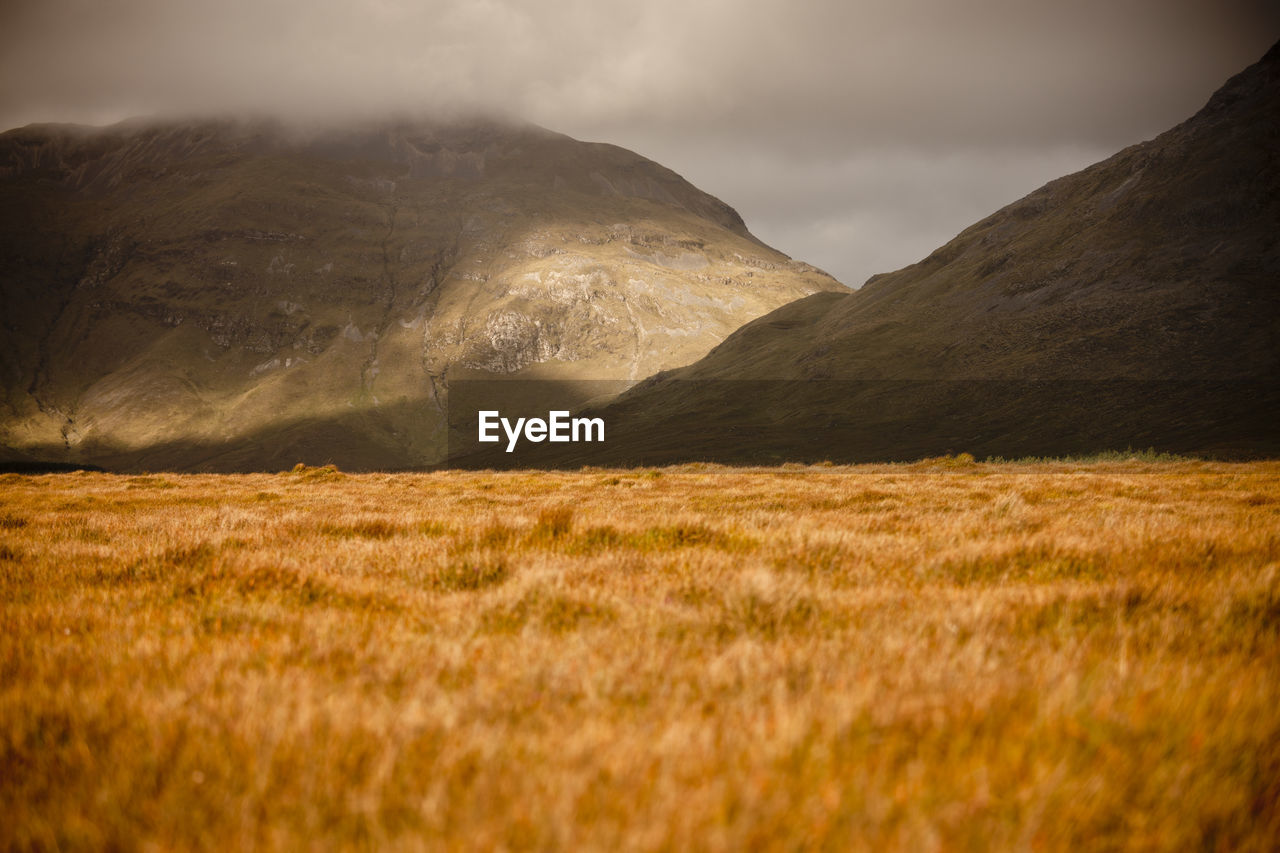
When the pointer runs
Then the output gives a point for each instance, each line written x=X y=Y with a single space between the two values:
x=241 y=296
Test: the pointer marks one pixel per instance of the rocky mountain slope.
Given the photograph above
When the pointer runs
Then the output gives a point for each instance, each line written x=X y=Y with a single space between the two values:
x=245 y=295
x=1136 y=302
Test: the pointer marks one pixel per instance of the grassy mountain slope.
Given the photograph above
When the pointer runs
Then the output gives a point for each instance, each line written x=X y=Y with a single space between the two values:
x=244 y=295
x=1135 y=302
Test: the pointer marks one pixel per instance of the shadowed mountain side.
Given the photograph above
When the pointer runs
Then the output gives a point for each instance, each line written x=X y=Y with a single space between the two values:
x=193 y=285
x=768 y=422
x=371 y=440
x=1158 y=264
x=35 y=466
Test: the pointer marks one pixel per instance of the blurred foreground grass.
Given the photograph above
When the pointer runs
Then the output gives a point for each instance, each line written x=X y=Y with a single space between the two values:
x=934 y=656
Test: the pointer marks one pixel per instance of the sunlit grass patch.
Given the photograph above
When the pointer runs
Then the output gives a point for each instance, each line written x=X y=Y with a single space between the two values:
x=301 y=588
x=470 y=572
x=959 y=460
x=865 y=500
x=368 y=528
x=1071 y=613
x=667 y=537
x=1149 y=455
x=816 y=559
x=309 y=473
x=1034 y=563
x=494 y=535
x=908 y=656
x=594 y=540
x=1255 y=614
x=149 y=483
x=553 y=525
x=771 y=616
x=12 y=555
x=548 y=610
x=555 y=530
x=231 y=617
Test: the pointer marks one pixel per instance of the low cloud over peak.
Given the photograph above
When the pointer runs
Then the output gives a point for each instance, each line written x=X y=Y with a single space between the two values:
x=698 y=85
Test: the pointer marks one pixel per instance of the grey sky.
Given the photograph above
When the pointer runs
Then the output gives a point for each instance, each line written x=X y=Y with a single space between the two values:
x=857 y=135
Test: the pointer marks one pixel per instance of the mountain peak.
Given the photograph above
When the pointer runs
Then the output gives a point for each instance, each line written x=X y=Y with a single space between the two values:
x=1132 y=303
x=237 y=293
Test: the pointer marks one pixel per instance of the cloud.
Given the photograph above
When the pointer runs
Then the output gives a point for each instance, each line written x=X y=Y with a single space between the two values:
x=818 y=72
x=782 y=107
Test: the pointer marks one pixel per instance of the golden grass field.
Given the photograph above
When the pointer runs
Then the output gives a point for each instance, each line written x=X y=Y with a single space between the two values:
x=930 y=656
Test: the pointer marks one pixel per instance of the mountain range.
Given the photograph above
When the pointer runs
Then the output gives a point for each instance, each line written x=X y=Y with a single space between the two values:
x=245 y=295
x=1133 y=304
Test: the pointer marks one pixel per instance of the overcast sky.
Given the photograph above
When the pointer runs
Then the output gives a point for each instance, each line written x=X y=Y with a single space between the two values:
x=857 y=135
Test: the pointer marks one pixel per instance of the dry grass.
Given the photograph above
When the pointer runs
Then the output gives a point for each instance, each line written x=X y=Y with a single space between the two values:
x=913 y=657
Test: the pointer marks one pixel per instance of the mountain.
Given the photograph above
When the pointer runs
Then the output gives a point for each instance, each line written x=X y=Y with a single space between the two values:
x=1134 y=303
x=244 y=295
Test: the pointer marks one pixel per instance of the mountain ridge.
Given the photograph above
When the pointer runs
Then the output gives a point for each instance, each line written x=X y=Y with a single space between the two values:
x=1135 y=292
x=1206 y=220
x=187 y=284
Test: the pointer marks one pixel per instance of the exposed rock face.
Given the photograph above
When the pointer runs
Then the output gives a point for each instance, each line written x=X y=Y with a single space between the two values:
x=224 y=295
x=1131 y=294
